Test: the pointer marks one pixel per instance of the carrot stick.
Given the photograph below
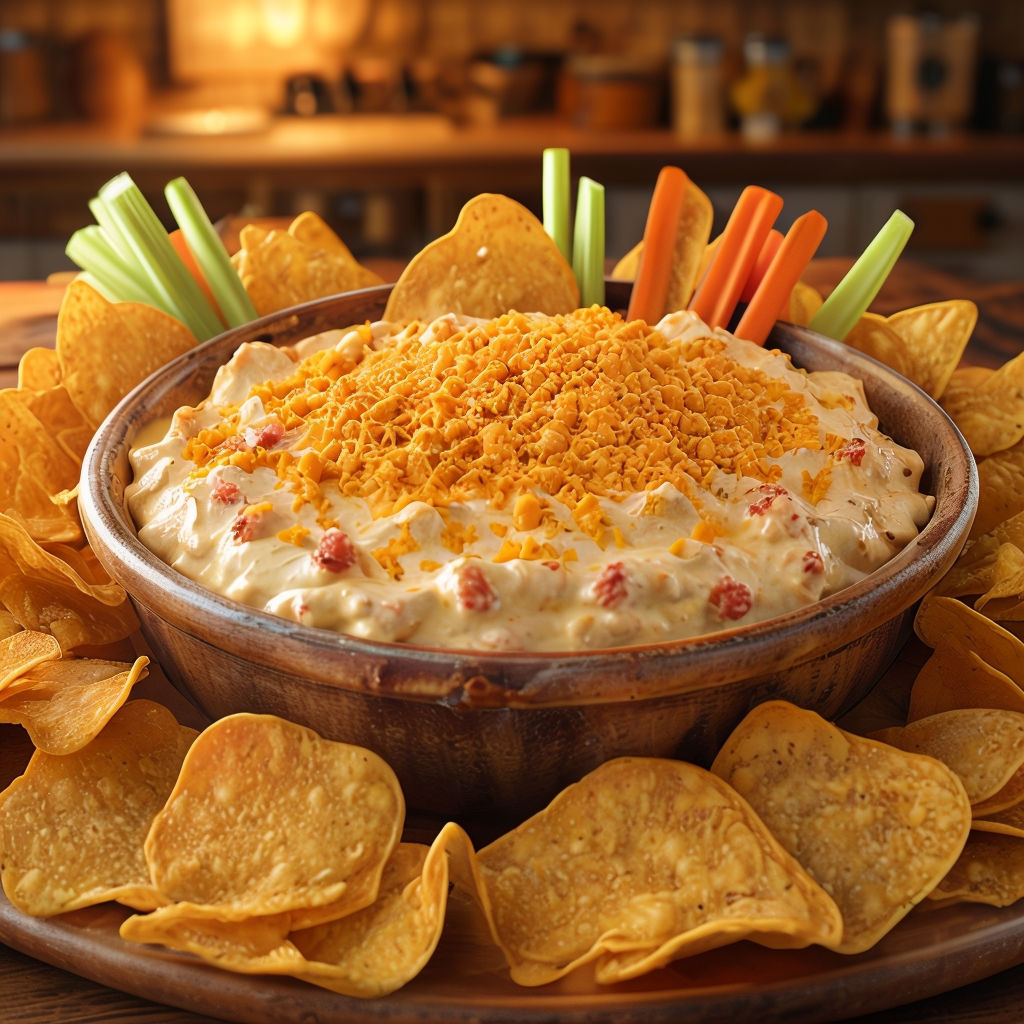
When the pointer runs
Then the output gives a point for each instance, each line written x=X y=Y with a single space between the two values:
x=794 y=253
x=748 y=226
x=649 y=297
x=761 y=264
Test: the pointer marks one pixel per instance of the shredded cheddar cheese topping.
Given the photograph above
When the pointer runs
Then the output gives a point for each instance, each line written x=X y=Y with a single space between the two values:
x=581 y=406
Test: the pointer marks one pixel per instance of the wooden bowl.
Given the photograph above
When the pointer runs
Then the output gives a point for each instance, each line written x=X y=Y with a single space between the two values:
x=473 y=735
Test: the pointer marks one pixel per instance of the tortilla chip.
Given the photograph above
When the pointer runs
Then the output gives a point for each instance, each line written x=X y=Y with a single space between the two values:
x=496 y=258
x=106 y=348
x=63 y=705
x=990 y=414
x=308 y=261
x=877 y=827
x=642 y=861
x=990 y=870
x=72 y=827
x=268 y=818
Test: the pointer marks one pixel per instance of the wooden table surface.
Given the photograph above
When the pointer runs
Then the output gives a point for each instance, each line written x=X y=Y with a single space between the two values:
x=37 y=993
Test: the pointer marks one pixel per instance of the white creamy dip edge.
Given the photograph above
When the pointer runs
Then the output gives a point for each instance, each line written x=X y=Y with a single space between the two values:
x=775 y=552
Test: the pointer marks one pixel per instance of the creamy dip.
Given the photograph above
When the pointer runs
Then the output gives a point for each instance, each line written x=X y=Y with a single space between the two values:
x=526 y=483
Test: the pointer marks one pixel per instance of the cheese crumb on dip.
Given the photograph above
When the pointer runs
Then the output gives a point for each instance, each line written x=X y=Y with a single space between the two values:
x=526 y=483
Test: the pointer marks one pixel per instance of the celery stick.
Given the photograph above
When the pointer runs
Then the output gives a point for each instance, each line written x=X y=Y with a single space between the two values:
x=588 y=242
x=90 y=249
x=147 y=238
x=858 y=288
x=556 y=198
x=210 y=254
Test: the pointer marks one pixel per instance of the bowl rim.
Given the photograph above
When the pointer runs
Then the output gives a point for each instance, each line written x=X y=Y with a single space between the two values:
x=783 y=641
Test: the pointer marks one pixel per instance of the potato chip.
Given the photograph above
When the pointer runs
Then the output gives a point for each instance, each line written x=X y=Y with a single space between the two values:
x=72 y=828
x=308 y=261
x=43 y=593
x=496 y=258
x=990 y=870
x=63 y=705
x=22 y=651
x=877 y=827
x=647 y=856
x=106 y=348
x=984 y=746
x=268 y=818
x=990 y=414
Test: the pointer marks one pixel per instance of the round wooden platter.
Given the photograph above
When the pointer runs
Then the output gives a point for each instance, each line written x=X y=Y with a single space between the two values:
x=930 y=952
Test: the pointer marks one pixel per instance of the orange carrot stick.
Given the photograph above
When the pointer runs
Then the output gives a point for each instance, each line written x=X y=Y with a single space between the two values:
x=797 y=248
x=761 y=264
x=748 y=226
x=649 y=297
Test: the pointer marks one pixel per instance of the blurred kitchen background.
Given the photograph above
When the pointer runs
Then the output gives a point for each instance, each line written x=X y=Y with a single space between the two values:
x=385 y=115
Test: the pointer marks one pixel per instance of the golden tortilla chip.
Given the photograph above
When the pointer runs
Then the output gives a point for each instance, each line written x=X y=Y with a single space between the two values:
x=1001 y=488
x=804 y=301
x=72 y=827
x=990 y=870
x=267 y=818
x=955 y=677
x=23 y=650
x=877 y=827
x=496 y=258
x=943 y=621
x=308 y=261
x=627 y=267
x=43 y=593
x=990 y=414
x=924 y=343
x=642 y=861
x=984 y=746
x=63 y=705
x=377 y=950
x=365 y=954
x=33 y=469
x=106 y=348
x=38 y=369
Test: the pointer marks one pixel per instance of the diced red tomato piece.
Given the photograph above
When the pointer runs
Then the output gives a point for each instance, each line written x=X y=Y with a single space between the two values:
x=266 y=435
x=611 y=585
x=473 y=591
x=731 y=597
x=853 y=450
x=225 y=492
x=335 y=552
x=245 y=527
x=768 y=492
x=813 y=563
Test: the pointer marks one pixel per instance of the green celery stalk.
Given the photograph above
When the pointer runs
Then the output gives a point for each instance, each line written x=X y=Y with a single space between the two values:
x=120 y=281
x=208 y=249
x=147 y=239
x=588 y=242
x=861 y=283
x=555 y=189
